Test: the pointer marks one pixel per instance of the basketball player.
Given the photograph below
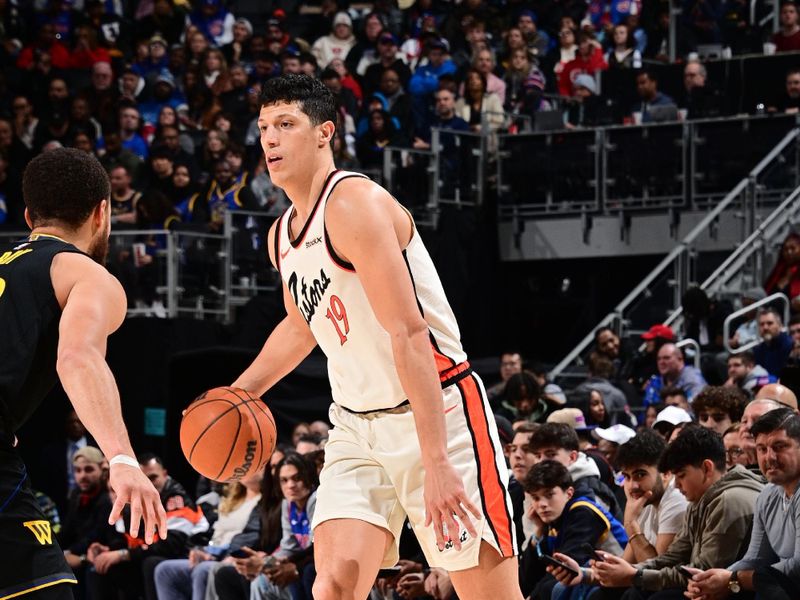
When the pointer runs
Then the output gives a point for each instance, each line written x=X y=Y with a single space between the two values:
x=57 y=307
x=413 y=434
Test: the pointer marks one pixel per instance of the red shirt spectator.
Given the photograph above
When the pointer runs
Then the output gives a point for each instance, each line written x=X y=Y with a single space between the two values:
x=87 y=52
x=589 y=59
x=788 y=38
x=45 y=42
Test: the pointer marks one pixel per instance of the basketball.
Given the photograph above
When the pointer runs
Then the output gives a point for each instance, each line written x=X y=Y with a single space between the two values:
x=227 y=434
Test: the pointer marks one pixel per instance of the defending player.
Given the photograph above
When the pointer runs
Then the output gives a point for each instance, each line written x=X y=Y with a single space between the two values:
x=57 y=307
x=413 y=433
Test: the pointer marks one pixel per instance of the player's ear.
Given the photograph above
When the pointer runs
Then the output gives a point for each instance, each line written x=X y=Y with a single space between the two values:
x=28 y=219
x=326 y=131
x=100 y=213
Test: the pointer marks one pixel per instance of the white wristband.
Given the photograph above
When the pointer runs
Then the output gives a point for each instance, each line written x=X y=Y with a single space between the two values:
x=124 y=459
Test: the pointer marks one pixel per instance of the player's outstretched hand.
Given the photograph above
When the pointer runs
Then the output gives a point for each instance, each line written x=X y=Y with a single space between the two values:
x=445 y=499
x=131 y=486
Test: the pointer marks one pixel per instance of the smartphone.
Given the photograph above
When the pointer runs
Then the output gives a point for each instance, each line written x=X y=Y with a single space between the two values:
x=589 y=549
x=388 y=572
x=239 y=554
x=557 y=563
x=685 y=572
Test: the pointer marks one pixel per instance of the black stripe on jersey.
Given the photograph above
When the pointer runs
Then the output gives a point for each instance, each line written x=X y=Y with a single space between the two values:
x=338 y=260
x=434 y=343
x=494 y=453
x=295 y=243
x=277 y=243
x=477 y=461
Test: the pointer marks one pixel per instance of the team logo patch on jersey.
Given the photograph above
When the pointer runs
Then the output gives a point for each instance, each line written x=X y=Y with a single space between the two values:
x=316 y=240
x=41 y=530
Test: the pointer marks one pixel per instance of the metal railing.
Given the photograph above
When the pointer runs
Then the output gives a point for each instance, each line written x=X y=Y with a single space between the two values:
x=189 y=273
x=695 y=346
x=619 y=170
x=736 y=315
x=673 y=275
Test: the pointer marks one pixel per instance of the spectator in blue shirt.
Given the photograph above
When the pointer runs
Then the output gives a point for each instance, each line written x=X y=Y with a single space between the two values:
x=673 y=372
x=647 y=88
x=130 y=122
x=425 y=80
x=773 y=352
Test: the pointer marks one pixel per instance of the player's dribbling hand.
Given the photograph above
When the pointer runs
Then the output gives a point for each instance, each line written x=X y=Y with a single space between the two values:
x=131 y=486
x=446 y=499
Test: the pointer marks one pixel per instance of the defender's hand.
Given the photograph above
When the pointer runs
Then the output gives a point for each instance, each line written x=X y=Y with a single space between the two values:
x=133 y=487
x=446 y=499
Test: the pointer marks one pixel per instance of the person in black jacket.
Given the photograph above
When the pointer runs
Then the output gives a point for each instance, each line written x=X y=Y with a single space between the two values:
x=124 y=565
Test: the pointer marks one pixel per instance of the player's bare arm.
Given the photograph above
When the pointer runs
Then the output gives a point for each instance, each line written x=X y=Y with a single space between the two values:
x=286 y=347
x=368 y=229
x=93 y=306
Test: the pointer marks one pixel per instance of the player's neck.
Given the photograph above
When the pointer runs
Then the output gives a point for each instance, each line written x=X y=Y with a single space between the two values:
x=303 y=194
x=79 y=238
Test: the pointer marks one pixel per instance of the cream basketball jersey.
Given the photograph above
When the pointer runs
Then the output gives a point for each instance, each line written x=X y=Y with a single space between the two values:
x=329 y=296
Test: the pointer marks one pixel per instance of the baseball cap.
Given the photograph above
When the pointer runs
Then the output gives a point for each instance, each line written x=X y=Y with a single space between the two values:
x=569 y=416
x=90 y=453
x=754 y=293
x=659 y=331
x=528 y=13
x=586 y=81
x=166 y=77
x=387 y=36
x=619 y=434
x=673 y=415
x=247 y=24
x=534 y=81
x=342 y=17
x=159 y=39
x=438 y=44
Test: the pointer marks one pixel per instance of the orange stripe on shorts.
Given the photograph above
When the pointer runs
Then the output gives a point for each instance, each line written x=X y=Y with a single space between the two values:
x=493 y=492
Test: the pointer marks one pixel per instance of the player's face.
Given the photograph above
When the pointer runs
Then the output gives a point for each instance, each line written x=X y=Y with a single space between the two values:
x=292 y=485
x=550 y=503
x=289 y=140
x=98 y=248
x=87 y=474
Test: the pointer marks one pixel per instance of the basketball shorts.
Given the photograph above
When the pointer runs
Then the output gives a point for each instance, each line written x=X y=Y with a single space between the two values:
x=31 y=557
x=373 y=472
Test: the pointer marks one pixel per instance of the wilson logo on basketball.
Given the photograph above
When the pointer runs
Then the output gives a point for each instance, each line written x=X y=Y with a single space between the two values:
x=249 y=456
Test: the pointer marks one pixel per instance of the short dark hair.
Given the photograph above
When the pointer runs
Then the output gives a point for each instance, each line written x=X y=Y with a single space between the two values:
x=522 y=385
x=315 y=100
x=769 y=310
x=648 y=73
x=547 y=475
x=780 y=419
x=672 y=391
x=645 y=448
x=307 y=471
x=692 y=447
x=146 y=457
x=64 y=185
x=311 y=438
x=728 y=399
x=747 y=356
x=555 y=435
x=600 y=365
x=795 y=320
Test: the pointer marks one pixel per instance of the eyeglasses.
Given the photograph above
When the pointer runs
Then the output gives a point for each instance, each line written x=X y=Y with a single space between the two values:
x=718 y=417
x=732 y=453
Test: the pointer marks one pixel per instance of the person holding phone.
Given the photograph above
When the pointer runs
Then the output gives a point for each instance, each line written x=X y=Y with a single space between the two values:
x=568 y=524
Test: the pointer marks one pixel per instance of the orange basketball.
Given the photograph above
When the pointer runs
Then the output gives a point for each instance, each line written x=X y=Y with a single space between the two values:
x=227 y=434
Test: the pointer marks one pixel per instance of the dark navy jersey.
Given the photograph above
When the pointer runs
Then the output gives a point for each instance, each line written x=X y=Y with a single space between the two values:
x=29 y=318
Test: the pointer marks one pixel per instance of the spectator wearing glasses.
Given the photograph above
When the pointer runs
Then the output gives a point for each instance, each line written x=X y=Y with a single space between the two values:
x=772 y=562
x=734 y=453
x=719 y=407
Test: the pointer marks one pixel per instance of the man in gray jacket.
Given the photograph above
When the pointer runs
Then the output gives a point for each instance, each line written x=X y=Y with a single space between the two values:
x=716 y=528
x=772 y=563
